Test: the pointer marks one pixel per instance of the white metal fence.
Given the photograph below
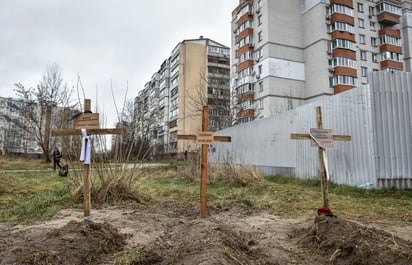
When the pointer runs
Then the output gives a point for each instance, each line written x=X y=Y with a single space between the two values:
x=377 y=116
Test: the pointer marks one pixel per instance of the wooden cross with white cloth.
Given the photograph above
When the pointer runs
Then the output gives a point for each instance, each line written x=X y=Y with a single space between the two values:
x=86 y=125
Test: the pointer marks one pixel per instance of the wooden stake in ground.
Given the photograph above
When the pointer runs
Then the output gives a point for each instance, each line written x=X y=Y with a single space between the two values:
x=323 y=138
x=204 y=138
x=90 y=122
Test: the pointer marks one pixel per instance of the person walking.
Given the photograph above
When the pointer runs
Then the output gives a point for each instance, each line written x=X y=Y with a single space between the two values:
x=56 y=158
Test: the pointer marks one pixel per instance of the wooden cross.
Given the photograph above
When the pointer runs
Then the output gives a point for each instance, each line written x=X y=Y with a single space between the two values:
x=323 y=138
x=90 y=122
x=204 y=138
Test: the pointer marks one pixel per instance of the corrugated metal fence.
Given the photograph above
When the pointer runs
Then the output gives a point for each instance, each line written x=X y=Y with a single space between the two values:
x=377 y=116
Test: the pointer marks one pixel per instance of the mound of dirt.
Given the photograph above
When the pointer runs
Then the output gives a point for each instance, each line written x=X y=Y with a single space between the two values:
x=75 y=243
x=203 y=243
x=342 y=242
x=175 y=234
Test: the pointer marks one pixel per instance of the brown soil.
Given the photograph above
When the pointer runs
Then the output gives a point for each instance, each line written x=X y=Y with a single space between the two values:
x=173 y=234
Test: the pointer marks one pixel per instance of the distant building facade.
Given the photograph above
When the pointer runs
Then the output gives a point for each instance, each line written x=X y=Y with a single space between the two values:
x=196 y=73
x=287 y=53
x=16 y=140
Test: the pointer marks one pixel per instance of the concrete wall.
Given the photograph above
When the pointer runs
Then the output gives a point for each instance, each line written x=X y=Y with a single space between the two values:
x=192 y=87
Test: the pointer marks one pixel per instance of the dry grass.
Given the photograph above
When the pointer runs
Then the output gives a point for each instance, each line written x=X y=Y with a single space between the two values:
x=235 y=174
x=37 y=195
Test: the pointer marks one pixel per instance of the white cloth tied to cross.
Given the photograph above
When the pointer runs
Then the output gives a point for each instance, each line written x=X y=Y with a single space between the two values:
x=86 y=148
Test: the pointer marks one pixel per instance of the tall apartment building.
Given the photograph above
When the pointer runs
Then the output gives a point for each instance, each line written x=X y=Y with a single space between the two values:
x=196 y=73
x=286 y=53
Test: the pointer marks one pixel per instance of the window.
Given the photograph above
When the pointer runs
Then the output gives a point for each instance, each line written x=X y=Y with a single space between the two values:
x=386 y=7
x=218 y=50
x=246 y=72
x=248 y=104
x=360 y=7
x=362 y=39
x=260 y=36
x=363 y=55
x=260 y=104
x=260 y=86
x=245 y=88
x=260 y=20
x=374 y=42
x=260 y=69
x=364 y=71
x=174 y=102
x=342 y=43
x=373 y=26
x=387 y=39
x=245 y=25
x=388 y=55
x=248 y=39
x=374 y=57
x=361 y=23
x=173 y=114
x=336 y=8
x=342 y=61
x=258 y=54
x=174 y=82
x=341 y=26
x=343 y=80
x=248 y=55
x=392 y=70
x=371 y=11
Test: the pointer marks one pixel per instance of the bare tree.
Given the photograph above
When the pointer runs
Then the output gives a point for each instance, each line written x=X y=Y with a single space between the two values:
x=214 y=92
x=41 y=108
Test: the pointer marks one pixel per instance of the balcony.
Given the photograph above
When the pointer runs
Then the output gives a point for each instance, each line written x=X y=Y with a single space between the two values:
x=250 y=95
x=342 y=70
x=391 y=64
x=245 y=64
x=342 y=88
x=348 y=3
x=342 y=18
x=390 y=48
x=388 y=19
x=390 y=31
x=339 y=52
x=246 y=113
x=343 y=35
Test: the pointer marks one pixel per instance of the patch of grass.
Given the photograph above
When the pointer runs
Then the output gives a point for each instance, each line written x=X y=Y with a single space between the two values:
x=289 y=197
x=171 y=189
x=133 y=257
x=24 y=164
x=34 y=196
x=37 y=207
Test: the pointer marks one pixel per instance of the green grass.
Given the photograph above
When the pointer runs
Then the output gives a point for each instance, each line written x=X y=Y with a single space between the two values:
x=290 y=197
x=36 y=196
x=21 y=164
x=32 y=196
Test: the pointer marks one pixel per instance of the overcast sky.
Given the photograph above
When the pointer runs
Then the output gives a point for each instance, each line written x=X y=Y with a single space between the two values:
x=104 y=41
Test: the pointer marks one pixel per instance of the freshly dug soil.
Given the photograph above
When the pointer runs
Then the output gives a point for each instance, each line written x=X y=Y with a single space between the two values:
x=342 y=242
x=175 y=234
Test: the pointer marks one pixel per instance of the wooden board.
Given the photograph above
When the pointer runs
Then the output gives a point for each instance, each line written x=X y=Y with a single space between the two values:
x=87 y=121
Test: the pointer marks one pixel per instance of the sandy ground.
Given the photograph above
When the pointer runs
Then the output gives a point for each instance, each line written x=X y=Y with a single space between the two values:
x=175 y=234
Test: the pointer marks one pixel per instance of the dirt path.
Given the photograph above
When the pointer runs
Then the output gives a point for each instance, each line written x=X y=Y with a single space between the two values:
x=173 y=234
